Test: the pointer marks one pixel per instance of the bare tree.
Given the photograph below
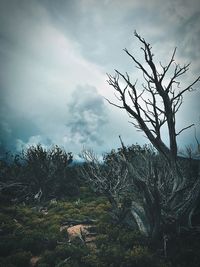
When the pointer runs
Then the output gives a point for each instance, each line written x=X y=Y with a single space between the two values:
x=139 y=186
x=110 y=178
x=162 y=192
x=157 y=102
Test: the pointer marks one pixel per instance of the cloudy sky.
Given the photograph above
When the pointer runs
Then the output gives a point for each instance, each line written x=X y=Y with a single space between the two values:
x=55 y=56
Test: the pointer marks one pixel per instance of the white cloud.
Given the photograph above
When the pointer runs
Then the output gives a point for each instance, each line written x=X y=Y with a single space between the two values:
x=32 y=141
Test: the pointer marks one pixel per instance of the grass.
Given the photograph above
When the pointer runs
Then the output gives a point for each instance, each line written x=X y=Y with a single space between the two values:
x=28 y=231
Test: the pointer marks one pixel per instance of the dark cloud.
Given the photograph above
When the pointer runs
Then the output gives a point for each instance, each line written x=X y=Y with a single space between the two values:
x=102 y=29
x=49 y=47
x=87 y=116
x=13 y=129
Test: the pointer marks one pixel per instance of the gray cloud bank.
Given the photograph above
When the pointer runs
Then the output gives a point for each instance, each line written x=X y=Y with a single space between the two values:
x=54 y=56
x=88 y=116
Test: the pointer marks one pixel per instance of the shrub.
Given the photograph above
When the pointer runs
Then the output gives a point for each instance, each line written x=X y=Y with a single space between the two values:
x=8 y=245
x=33 y=242
x=4 y=262
x=74 y=253
x=47 y=171
x=139 y=256
x=42 y=265
x=20 y=259
x=38 y=174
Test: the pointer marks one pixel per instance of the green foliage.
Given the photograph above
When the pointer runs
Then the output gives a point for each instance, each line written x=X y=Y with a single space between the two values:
x=28 y=230
x=114 y=244
x=8 y=244
x=64 y=255
x=48 y=171
x=33 y=241
x=19 y=259
x=38 y=174
x=140 y=256
x=35 y=233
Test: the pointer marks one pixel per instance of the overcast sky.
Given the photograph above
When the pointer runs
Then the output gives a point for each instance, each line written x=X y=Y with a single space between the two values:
x=54 y=56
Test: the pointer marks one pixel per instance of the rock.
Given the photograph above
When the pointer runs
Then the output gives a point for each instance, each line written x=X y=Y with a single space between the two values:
x=82 y=232
x=34 y=261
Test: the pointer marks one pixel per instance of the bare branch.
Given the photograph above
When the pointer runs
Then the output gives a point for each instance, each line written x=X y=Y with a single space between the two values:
x=189 y=88
x=185 y=128
x=113 y=104
x=139 y=65
x=165 y=69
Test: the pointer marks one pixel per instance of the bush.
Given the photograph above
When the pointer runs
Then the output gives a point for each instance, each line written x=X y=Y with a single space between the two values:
x=139 y=256
x=57 y=257
x=20 y=259
x=39 y=174
x=33 y=242
x=47 y=171
x=8 y=245
x=28 y=230
x=5 y=263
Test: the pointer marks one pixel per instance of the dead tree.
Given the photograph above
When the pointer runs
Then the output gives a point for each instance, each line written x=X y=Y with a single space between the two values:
x=160 y=192
x=109 y=178
x=153 y=107
x=155 y=104
x=154 y=208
